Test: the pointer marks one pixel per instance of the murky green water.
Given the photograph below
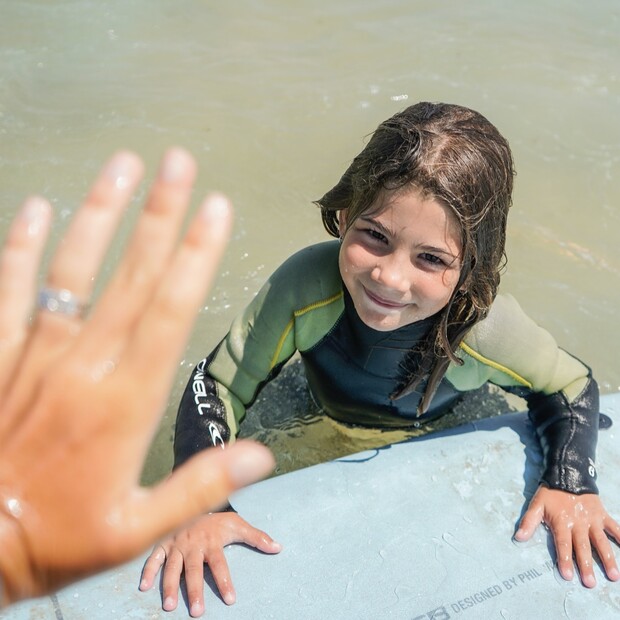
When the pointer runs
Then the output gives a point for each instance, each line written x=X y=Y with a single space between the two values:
x=274 y=98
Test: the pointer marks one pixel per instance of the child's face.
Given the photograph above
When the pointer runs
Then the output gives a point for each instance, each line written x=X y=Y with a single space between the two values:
x=402 y=264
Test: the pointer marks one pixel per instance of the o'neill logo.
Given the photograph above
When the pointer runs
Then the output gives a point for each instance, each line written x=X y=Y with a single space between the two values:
x=216 y=438
x=200 y=394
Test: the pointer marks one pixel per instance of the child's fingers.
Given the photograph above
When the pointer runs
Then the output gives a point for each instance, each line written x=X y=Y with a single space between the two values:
x=612 y=528
x=19 y=265
x=564 y=551
x=165 y=326
x=242 y=532
x=532 y=518
x=194 y=581
x=583 y=556
x=221 y=575
x=603 y=548
x=250 y=535
x=202 y=484
x=146 y=259
x=172 y=579
x=153 y=564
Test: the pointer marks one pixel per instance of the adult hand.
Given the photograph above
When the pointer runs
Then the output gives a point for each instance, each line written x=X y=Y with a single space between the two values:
x=81 y=396
x=578 y=523
x=202 y=543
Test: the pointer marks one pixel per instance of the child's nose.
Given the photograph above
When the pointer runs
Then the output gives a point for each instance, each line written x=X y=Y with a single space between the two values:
x=394 y=272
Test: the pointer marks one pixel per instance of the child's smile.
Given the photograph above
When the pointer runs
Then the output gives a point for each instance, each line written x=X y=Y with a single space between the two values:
x=401 y=265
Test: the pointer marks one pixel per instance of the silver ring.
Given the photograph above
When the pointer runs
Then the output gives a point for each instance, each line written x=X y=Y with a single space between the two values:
x=61 y=301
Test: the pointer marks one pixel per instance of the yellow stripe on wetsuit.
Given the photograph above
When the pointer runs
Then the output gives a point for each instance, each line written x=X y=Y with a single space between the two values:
x=296 y=314
x=492 y=364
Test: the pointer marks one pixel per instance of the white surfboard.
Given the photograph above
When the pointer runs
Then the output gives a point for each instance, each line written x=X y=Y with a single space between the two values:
x=417 y=530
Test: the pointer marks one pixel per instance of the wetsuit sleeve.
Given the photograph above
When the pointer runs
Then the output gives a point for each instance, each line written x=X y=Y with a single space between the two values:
x=223 y=385
x=568 y=433
x=297 y=305
x=201 y=418
x=511 y=351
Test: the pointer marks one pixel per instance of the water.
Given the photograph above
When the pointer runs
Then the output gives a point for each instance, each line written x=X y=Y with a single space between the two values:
x=274 y=98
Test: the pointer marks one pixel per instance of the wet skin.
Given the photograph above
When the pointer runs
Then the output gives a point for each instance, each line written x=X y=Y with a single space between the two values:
x=400 y=265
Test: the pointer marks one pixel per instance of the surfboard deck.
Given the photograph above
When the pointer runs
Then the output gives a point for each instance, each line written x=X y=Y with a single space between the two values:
x=416 y=530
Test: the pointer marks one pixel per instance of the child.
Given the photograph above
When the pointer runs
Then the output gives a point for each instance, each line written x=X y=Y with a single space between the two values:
x=393 y=323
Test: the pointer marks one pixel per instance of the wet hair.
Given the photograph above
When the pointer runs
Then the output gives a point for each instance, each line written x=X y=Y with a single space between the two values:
x=456 y=156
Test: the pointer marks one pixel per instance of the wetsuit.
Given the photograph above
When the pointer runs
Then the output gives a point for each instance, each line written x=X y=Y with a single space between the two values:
x=352 y=369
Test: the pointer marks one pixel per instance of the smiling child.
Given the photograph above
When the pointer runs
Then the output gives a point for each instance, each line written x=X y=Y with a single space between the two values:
x=394 y=322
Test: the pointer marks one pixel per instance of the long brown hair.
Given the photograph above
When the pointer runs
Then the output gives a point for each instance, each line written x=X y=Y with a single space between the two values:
x=454 y=155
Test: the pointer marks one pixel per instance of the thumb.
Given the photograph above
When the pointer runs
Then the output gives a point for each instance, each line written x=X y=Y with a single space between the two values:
x=532 y=518
x=202 y=484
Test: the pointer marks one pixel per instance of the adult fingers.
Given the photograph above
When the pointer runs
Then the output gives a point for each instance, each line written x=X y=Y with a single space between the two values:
x=201 y=484
x=75 y=265
x=165 y=326
x=146 y=259
x=84 y=245
x=19 y=265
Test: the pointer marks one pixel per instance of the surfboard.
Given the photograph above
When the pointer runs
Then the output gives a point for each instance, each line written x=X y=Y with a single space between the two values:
x=418 y=530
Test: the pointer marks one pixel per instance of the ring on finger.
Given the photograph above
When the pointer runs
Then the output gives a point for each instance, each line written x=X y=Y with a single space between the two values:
x=61 y=301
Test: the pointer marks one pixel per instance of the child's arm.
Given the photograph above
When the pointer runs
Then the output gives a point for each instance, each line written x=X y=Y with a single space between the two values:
x=202 y=420
x=568 y=433
x=202 y=423
x=510 y=350
x=298 y=304
x=216 y=396
x=567 y=500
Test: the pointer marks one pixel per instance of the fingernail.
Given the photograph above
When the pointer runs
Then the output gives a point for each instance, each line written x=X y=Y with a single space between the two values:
x=215 y=212
x=120 y=169
x=614 y=574
x=143 y=585
x=196 y=609
x=229 y=598
x=248 y=463
x=35 y=213
x=175 y=165
x=215 y=206
x=168 y=603
x=589 y=581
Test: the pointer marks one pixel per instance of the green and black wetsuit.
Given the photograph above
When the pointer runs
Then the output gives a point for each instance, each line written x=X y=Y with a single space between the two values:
x=352 y=369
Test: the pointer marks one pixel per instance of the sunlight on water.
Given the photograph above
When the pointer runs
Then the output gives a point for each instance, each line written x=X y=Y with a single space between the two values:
x=275 y=98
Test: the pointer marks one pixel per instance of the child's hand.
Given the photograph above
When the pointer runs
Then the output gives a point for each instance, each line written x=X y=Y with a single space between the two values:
x=577 y=523
x=202 y=543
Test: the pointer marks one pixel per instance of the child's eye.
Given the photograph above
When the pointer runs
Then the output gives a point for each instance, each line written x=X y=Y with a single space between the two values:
x=431 y=258
x=375 y=234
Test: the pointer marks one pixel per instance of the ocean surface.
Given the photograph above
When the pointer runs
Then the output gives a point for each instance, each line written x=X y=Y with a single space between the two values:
x=274 y=98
